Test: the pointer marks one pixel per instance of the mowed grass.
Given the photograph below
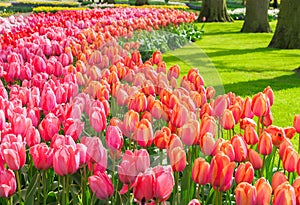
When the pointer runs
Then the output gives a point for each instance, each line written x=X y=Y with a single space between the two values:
x=241 y=63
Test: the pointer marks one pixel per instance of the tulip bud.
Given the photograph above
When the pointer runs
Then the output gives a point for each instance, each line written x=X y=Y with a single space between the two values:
x=244 y=173
x=284 y=194
x=264 y=191
x=245 y=193
x=101 y=185
x=200 y=171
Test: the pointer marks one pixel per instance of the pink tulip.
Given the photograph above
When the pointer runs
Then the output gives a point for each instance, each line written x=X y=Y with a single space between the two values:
x=143 y=133
x=164 y=182
x=244 y=173
x=32 y=136
x=8 y=183
x=142 y=160
x=61 y=140
x=240 y=148
x=127 y=168
x=189 y=132
x=260 y=105
x=114 y=137
x=14 y=154
x=42 y=156
x=207 y=144
x=278 y=178
x=178 y=159
x=48 y=100
x=49 y=126
x=73 y=127
x=194 y=202
x=66 y=160
x=284 y=194
x=97 y=119
x=264 y=191
x=297 y=123
x=101 y=185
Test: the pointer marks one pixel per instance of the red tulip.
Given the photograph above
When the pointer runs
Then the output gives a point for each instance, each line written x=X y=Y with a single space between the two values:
x=164 y=182
x=200 y=171
x=97 y=119
x=265 y=144
x=143 y=186
x=260 y=105
x=101 y=185
x=297 y=123
x=240 y=148
x=245 y=194
x=49 y=126
x=264 y=192
x=8 y=183
x=255 y=159
x=156 y=57
x=66 y=160
x=42 y=156
x=114 y=137
x=250 y=135
x=221 y=171
x=278 y=178
x=284 y=194
x=227 y=120
x=178 y=159
x=143 y=133
x=244 y=173
x=189 y=132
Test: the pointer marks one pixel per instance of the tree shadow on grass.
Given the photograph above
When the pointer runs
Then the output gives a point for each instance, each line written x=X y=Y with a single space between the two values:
x=249 y=88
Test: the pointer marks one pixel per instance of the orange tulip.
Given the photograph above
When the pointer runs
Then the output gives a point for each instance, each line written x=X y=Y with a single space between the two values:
x=240 y=148
x=207 y=144
x=247 y=122
x=297 y=123
x=246 y=110
x=174 y=71
x=284 y=144
x=131 y=119
x=290 y=159
x=284 y=194
x=265 y=144
x=245 y=194
x=289 y=132
x=244 y=173
x=269 y=93
x=226 y=148
x=143 y=133
x=296 y=185
x=260 y=105
x=255 y=159
x=227 y=120
x=221 y=171
x=138 y=103
x=178 y=159
x=200 y=171
x=236 y=112
x=264 y=192
x=277 y=179
x=179 y=115
x=208 y=124
x=250 y=135
x=162 y=138
x=277 y=134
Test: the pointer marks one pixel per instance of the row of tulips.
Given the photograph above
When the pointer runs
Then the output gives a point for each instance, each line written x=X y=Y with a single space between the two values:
x=85 y=121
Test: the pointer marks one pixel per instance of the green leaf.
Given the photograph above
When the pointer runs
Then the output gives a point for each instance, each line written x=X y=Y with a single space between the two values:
x=32 y=188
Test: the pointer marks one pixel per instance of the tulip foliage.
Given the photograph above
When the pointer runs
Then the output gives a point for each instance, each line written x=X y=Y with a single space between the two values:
x=84 y=120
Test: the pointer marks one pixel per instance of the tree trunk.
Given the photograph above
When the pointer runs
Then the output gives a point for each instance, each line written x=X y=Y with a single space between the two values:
x=214 y=11
x=141 y=2
x=244 y=2
x=287 y=33
x=275 y=4
x=256 y=19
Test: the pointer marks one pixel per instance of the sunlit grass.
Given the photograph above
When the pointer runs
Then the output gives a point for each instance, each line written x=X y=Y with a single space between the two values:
x=243 y=64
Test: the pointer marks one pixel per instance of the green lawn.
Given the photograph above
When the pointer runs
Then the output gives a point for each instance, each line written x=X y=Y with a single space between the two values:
x=242 y=63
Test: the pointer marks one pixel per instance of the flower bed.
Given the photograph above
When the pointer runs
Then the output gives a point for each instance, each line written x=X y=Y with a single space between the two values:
x=84 y=120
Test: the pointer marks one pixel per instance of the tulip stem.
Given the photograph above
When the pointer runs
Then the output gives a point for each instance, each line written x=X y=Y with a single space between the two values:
x=84 y=200
x=19 y=187
x=202 y=194
x=45 y=187
x=116 y=193
x=263 y=166
x=161 y=155
x=175 y=194
x=39 y=188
